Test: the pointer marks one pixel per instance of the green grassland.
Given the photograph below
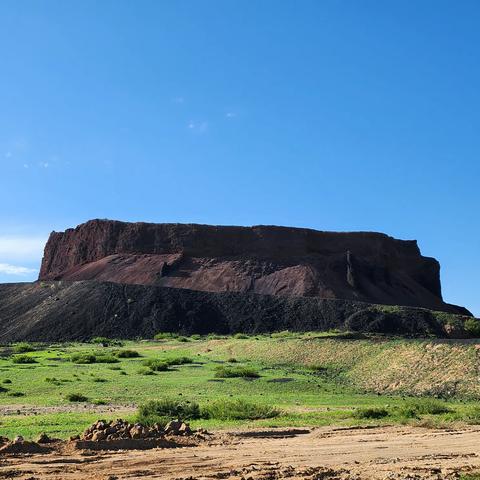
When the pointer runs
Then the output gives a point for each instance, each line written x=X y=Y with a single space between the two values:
x=309 y=379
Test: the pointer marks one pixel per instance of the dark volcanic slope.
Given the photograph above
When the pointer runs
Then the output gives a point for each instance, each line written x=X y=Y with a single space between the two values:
x=59 y=311
x=369 y=267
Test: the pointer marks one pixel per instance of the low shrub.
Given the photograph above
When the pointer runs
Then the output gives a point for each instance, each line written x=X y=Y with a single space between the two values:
x=126 y=354
x=241 y=336
x=238 y=410
x=425 y=406
x=23 y=359
x=178 y=361
x=99 y=380
x=76 y=397
x=105 y=358
x=155 y=364
x=162 y=411
x=7 y=380
x=83 y=358
x=106 y=342
x=472 y=327
x=87 y=358
x=235 y=372
x=3 y=389
x=145 y=371
x=370 y=413
x=23 y=347
x=166 y=336
x=16 y=394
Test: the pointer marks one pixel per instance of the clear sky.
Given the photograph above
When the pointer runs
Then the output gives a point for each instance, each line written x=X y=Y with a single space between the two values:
x=334 y=115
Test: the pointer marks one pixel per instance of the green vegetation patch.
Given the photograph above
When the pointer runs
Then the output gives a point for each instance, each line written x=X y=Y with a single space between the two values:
x=235 y=372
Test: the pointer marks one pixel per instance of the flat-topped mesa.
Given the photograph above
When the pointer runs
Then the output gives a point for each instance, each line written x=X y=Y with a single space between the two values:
x=365 y=266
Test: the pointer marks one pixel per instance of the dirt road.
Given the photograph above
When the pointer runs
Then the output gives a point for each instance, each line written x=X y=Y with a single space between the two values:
x=322 y=453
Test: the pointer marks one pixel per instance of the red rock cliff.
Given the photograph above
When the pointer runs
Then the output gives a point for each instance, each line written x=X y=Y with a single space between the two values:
x=365 y=266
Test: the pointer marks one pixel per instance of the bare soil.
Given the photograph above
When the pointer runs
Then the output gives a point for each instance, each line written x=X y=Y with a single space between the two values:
x=324 y=453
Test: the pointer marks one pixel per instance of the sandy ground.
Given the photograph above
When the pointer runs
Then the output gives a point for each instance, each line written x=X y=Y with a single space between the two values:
x=322 y=453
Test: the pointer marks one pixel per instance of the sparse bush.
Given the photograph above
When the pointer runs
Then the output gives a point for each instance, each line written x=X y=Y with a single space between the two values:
x=23 y=347
x=7 y=380
x=106 y=342
x=88 y=358
x=105 y=358
x=166 y=336
x=3 y=389
x=183 y=339
x=23 y=359
x=196 y=336
x=232 y=360
x=155 y=364
x=99 y=380
x=83 y=358
x=283 y=334
x=238 y=410
x=235 y=372
x=162 y=411
x=177 y=361
x=145 y=371
x=241 y=336
x=126 y=354
x=100 y=402
x=472 y=327
x=425 y=406
x=16 y=394
x=370 y=413
x=214 y=336
x=76 y=397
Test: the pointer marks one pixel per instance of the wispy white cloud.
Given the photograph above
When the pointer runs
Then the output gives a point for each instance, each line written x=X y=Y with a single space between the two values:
x=21 y=248
x=43 y=164
x=199 y=127
x=178 y=100
x=230 y=115
x=8 y=154
x=8 y=269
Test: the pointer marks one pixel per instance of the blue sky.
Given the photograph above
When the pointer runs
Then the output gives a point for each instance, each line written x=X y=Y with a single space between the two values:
x=334 y=115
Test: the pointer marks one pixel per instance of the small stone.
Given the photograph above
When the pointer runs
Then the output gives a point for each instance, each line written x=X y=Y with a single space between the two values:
x=18 y=439
x=44 y=438
x=99 y=436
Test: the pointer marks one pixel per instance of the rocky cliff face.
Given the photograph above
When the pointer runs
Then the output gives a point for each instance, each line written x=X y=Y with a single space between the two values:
x=369 y=267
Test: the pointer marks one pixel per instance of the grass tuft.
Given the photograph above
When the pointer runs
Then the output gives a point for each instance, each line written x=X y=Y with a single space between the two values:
x=235 y=372
x=23 y=359
x=76 y=397
x=162 y=411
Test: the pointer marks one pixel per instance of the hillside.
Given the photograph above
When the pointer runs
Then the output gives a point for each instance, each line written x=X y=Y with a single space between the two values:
x=61 y=311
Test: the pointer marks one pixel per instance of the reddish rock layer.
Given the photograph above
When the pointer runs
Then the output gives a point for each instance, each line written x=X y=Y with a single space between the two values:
x=370 y=267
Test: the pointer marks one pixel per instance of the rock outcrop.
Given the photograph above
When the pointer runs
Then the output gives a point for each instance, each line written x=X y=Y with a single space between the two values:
x=359 y=266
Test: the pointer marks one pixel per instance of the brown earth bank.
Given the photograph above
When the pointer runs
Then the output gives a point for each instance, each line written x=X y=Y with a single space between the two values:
x=64 y=311
x=321 y=453
x=357 y=266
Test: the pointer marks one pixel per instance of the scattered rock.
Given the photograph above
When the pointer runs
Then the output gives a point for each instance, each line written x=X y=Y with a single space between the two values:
x=123 y=430
x=44 y=438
